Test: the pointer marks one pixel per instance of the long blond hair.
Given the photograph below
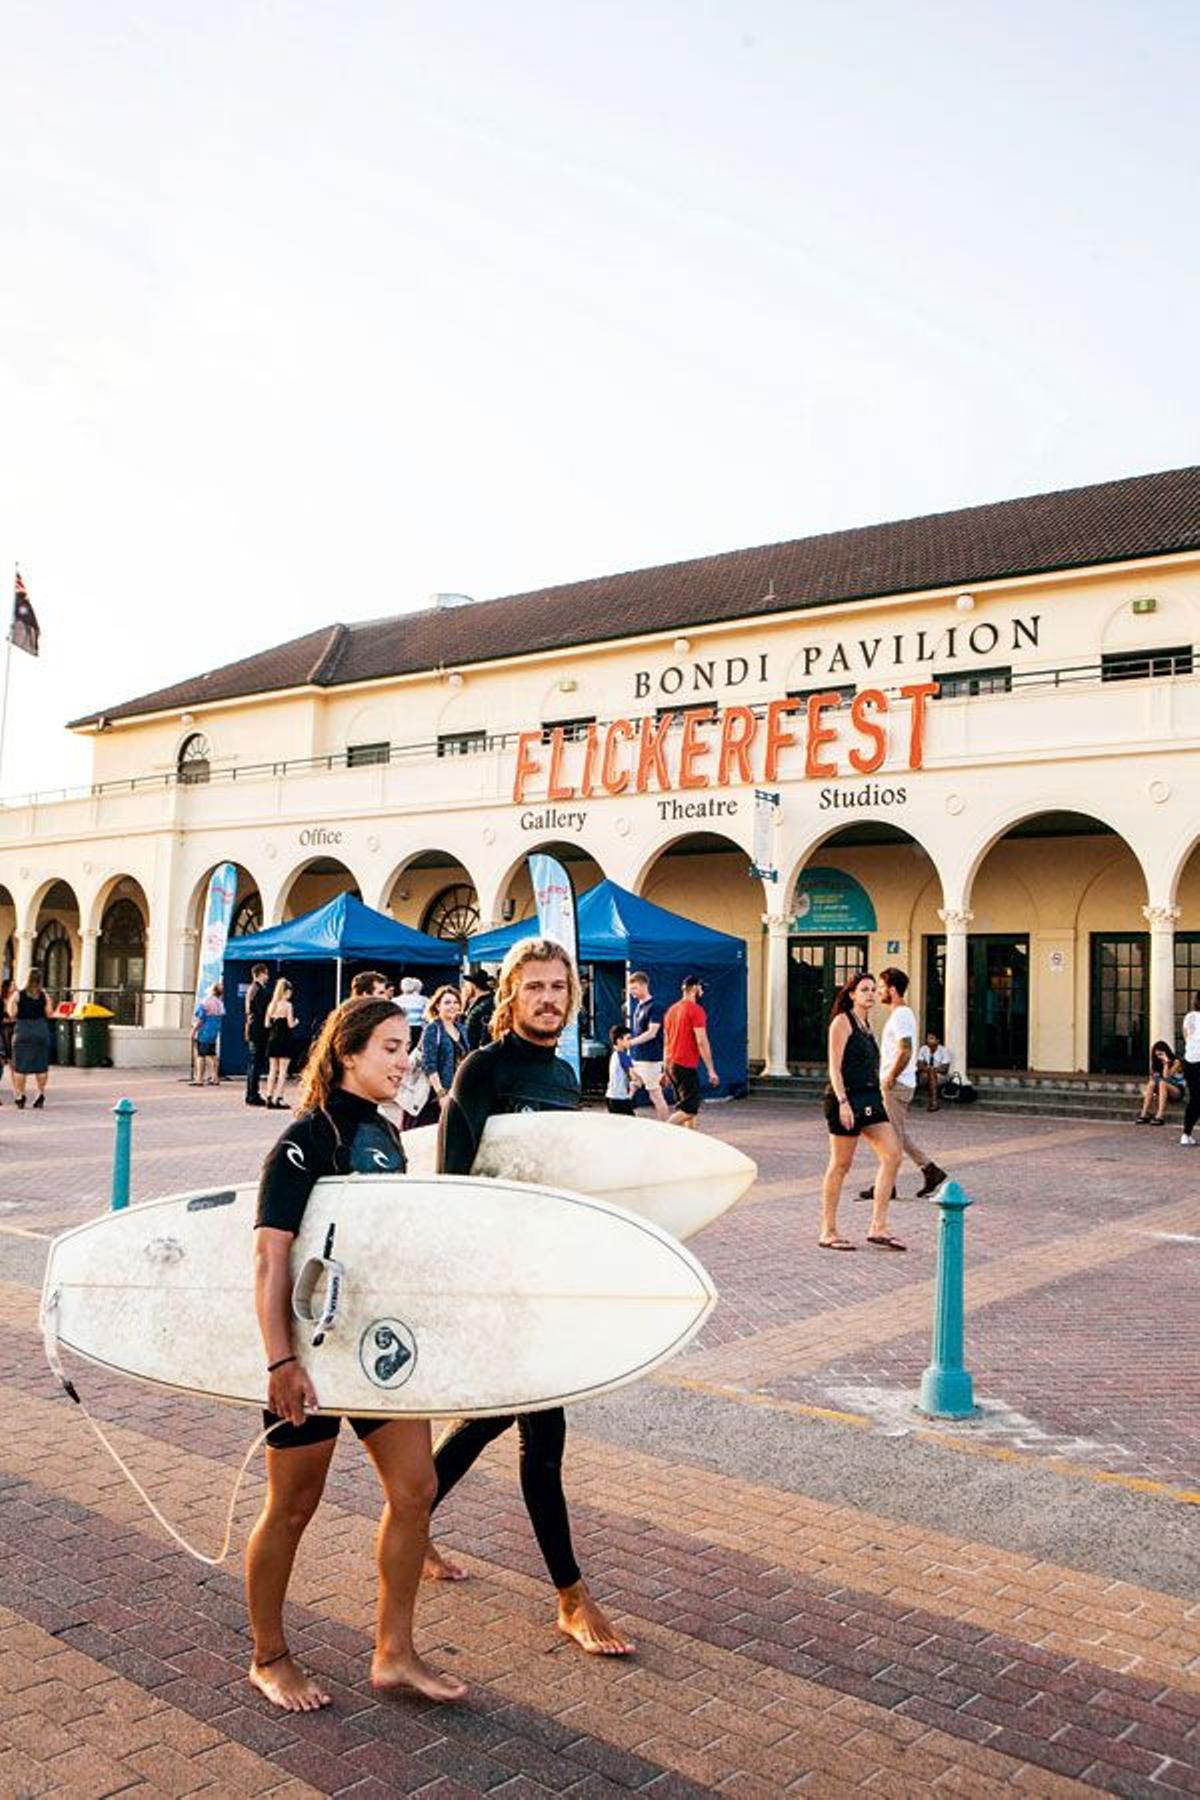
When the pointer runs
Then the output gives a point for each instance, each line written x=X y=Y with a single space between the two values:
x=346 y=1032
x=280 y=998
x=527 y=950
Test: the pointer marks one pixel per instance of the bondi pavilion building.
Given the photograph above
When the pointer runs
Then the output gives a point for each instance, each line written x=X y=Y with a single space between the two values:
x=982 y=727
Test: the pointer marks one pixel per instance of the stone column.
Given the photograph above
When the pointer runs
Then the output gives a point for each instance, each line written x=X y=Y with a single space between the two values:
x=957 y=921
x=1162 y=921
x=775 y=999
x=24 y=956
x=87 y=964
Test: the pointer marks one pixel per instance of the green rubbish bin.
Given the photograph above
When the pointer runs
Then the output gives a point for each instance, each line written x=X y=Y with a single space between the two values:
x=89 y=1037
x=63 y=1045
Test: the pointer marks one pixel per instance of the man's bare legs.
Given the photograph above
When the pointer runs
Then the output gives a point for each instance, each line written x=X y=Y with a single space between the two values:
x=295 y=1483
x=403 y=1461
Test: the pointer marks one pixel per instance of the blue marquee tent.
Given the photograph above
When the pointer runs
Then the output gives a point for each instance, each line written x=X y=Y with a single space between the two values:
x=322 y=951
x=619 y=931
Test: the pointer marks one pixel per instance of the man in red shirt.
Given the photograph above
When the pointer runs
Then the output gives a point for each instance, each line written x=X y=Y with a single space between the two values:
x=685 y=1030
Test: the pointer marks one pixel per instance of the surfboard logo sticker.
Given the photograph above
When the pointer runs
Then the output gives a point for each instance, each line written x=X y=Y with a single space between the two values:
x=387 y=1352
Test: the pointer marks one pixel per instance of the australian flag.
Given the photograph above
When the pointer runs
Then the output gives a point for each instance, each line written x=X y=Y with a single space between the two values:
x=24 y=631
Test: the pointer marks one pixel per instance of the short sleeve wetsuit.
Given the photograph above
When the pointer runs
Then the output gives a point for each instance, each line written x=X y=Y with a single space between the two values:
x=511 y=1075
x=350 y=1137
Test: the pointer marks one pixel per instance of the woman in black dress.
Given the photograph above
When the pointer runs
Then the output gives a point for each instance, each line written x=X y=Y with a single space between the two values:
x=281 y=1026
x=30 y=1011
x=853 y=1109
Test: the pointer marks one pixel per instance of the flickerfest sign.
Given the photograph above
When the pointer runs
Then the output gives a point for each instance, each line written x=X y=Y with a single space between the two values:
x=728 y=744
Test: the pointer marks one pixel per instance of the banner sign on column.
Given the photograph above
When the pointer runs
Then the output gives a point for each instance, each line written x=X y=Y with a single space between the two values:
x=555 y=896
x=218 y=911
x=766 y=814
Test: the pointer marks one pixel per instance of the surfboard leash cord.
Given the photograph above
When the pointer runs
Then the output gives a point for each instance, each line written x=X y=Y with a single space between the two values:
x=50 y=1345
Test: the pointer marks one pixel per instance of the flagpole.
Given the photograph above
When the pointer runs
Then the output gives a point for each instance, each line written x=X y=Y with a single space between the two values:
x=4 y=707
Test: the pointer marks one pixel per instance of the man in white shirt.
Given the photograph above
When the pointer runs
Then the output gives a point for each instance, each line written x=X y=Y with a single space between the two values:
x=934 y=1063
x=898 y=1075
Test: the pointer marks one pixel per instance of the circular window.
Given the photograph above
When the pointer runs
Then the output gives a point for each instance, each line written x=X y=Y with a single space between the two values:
x=194 y=760
x=454 y=913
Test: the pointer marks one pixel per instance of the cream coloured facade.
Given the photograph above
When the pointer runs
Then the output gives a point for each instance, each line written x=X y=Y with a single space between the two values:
x=1038 y=872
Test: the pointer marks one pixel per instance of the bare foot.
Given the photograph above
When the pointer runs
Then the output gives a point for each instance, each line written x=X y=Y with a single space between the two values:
x=409 y=1675
x=285 y=1685
x=440 y=1568
x=580 y=1618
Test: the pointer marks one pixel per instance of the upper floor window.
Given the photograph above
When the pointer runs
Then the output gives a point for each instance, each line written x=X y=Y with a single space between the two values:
x=461 y=743
x=358 y=756
x=805 y=694
x=573 y=730
x=973 y=681
x=1138 y=665
x=194 y=761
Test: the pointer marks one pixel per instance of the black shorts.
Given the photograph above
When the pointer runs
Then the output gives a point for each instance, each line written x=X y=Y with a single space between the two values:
x=318 y=1428
x=686 y=1083
x=624 y=1106
x=868 y=1109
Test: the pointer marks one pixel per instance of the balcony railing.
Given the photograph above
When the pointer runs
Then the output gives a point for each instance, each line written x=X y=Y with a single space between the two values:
x=285 y=768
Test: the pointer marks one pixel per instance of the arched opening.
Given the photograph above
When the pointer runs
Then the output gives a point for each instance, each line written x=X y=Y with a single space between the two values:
x=1058 y=951
x=706 y=877
x=8 y=935
x=1187 y=939
x=246 y=914
x=316 y=883
x=56 y=941
x=194 y=762
x=516 y=893
x=434 y=892
x=866 y=897
x=121 y=951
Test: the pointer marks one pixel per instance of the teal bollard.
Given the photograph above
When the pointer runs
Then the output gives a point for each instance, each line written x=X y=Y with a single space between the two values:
x=123 y=1112
x=946 y=1391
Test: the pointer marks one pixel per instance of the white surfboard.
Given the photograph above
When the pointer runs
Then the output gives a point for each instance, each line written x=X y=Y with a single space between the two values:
x=679 y=1180
x=456 y=1297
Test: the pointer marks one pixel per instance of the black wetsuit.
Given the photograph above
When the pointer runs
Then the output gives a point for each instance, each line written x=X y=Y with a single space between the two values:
x=511 y=1076
x=351 y=1137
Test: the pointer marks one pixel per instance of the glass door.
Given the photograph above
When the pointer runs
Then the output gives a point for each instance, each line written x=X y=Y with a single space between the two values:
x=997 y=1000
x=817 y=968
x=1120 y=1037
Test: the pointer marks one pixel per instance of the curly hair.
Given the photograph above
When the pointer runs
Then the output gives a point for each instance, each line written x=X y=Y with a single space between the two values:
x=347 y=1031
x=528 y=950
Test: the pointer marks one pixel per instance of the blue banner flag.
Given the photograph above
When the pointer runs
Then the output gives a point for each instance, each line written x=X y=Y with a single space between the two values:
x=218 y=911
x=555 y=897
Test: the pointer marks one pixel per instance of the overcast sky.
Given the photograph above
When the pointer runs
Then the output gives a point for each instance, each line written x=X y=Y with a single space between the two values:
x=307 y=311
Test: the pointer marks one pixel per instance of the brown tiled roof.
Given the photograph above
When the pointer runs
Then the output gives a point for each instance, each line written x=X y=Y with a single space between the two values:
x=1114 y=521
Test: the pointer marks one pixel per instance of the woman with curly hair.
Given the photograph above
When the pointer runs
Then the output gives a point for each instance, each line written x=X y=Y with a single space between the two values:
x=356 y=1064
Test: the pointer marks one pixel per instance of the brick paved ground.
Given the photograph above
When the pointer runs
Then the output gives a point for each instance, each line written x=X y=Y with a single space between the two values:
x=827 y=1595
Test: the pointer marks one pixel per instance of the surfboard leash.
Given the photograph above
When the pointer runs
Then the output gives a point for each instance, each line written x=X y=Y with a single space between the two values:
x=50 y=1345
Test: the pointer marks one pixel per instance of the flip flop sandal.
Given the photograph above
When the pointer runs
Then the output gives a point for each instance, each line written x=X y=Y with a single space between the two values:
x=887 y=1243
x=835 y=1244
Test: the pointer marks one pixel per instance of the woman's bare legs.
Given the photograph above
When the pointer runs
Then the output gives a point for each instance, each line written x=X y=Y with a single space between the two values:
x=886 y=1145
x=841 y=1155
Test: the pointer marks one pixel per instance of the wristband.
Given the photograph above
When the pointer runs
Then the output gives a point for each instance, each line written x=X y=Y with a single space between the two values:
x=282 y=1363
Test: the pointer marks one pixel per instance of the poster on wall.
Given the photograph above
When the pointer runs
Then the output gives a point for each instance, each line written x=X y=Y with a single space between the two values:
x=554 y=893
x=766 y=817
x=829 y=900
x=218 y=911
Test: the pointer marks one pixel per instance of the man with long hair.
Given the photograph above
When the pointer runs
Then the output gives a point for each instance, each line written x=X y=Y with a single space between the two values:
x=520 y=1071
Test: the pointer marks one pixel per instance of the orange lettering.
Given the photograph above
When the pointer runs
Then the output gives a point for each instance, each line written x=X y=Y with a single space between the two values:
x=693 y=747
x=814 y=768
x=778 y=736
x=558 y=789
x=919 y=692
x=650 y=754
x=527 y=764
x=619 y=732
x=588 y=785
x=861 y=707
x=738 y=729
